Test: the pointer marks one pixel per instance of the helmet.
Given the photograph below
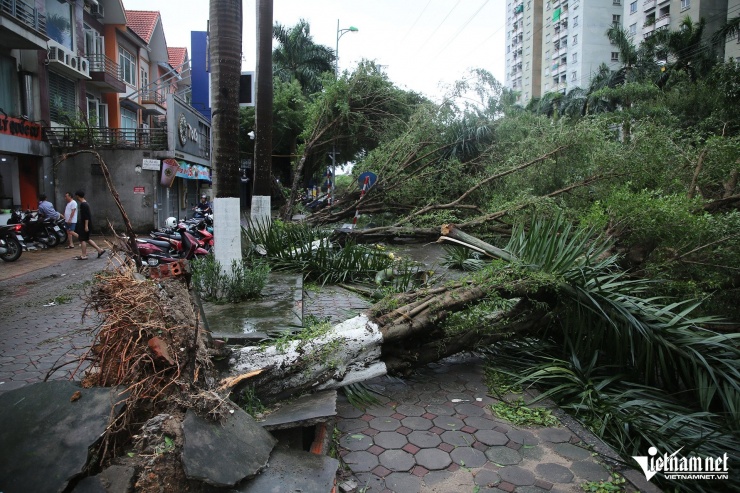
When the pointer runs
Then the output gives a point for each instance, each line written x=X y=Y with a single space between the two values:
x=171 y=222
x=204 y=196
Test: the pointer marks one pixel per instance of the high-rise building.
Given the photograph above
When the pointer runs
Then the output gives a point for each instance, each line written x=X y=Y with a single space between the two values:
x=644 y=17
x=574 y=42
x=524 y=48
x=732 y=45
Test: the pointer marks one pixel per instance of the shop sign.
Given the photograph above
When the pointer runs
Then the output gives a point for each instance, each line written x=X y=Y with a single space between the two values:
x=193 y=171
x=150 y=164
x=20 y=128
x=139 y=190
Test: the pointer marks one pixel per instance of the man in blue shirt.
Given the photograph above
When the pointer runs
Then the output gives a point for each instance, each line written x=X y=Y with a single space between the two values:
x=46 y=209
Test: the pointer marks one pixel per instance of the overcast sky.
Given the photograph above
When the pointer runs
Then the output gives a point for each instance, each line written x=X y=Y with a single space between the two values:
x=421 y=43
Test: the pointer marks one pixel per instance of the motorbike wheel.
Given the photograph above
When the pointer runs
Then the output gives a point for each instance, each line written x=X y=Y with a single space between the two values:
x=14 y=249
x=52 y=239
x=63 y=235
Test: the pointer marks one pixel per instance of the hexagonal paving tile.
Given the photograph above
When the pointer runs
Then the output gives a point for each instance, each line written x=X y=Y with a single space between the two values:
x=360 y=461
x=458 y=438
x=491 y=437
x=522 y=436
x=440 y=410
x=480 y=422
x=397 y=460
x=380 y=410
x=410 y=409
x=517 y=476
x=555 y=435
x=390 y=439
x=356 y=441
x=503 y=456
x=570 y=451
x=384 y=424
x=468 y=457
x=448 y=422
x=487 y=478
x=433 y=459
x=408 y=483
x=554 y=473
x=417 y=423
x=469 y=409
x=424 y=439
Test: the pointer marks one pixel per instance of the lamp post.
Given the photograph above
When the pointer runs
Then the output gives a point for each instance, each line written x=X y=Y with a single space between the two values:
x=340 y=33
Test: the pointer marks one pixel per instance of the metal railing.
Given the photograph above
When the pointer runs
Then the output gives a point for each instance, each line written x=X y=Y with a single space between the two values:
x=153 y=96
x=24 y=14
x=154 y=139
x=101 y=63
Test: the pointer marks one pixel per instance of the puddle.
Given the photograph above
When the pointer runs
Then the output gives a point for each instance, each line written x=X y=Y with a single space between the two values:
x=278 y=309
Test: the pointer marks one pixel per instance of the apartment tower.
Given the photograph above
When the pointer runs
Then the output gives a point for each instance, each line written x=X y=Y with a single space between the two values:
x=524 y=48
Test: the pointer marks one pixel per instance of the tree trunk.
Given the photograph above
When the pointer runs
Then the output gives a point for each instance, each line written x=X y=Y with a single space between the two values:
x=391 y=341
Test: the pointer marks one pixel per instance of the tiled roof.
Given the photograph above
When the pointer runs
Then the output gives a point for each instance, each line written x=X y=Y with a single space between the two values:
x=142 y=22
x=177 y=57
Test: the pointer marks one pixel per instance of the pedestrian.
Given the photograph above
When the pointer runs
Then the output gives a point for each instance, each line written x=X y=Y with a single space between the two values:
x=46 y=209
x=70 y=218
x=84 y=219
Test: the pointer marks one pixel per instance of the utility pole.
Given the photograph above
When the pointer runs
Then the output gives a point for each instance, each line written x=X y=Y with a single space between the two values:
x=263 y=112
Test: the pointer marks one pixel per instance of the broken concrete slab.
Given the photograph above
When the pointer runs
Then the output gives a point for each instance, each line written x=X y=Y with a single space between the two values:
x=113 y=479
x=225 y=452
x=47 y=430
x=294 y=470
x=307 y=410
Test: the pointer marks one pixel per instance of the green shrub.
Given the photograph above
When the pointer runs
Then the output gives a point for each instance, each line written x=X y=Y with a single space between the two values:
x=241 y=283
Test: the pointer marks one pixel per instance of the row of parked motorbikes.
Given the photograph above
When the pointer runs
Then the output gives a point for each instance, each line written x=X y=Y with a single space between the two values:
x=27 y=227
x=178 y=240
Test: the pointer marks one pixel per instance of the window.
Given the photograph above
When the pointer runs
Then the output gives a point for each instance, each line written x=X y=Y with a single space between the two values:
x=62 y=97
x=144 y=79
x=575 y=21
x=59 y=23
x=128 y=119
x=685 y=4
x=128 y=67
x=547 y=86
x=633 y=7
x=575 y=39
x=615 y=56
x=617 y=2
x=574 y=58
x=574 y=76
x=616 y=19
x=8 y=84
x=633 y=29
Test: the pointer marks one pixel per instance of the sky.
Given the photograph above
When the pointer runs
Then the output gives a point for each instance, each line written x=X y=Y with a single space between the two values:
x=424 y=45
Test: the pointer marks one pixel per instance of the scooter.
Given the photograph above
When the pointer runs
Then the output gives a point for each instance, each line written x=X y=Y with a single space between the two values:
x=11 y=242
x=34 y=229
x=155 y=252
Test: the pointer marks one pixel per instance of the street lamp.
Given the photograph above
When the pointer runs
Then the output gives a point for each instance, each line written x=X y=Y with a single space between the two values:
x=340 y=33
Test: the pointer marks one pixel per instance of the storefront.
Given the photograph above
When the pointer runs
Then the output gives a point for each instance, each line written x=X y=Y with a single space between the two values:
x=25 y=165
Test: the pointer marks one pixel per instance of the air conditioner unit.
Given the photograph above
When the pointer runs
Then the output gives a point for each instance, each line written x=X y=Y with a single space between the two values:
x=68 y=63
x=96 y=9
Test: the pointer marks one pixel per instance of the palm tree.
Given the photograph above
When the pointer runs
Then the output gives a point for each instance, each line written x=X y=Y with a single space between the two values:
x=225 y=49
x=730 y=30
x=683 y=50
x=298 y=58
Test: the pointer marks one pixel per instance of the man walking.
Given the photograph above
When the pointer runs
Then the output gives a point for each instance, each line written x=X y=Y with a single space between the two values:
x=84 y=219
x=70 y=218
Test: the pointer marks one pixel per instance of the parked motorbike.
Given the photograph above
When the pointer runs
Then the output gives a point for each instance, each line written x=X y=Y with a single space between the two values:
x=35 y=229
x=158 y=251
x=11 y=242
x=199 y=228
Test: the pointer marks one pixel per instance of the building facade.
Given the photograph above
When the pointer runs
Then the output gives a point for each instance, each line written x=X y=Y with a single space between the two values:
x=87 y=77
x=643 y=17
x=524 y=48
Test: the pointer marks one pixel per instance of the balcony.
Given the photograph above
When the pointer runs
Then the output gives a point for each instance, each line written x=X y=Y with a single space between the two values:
x=105 y=74
x=154 y=102
x=648 y=5
x=21 y=26
x=663 y=21
x=647 y=29
x=153 y=139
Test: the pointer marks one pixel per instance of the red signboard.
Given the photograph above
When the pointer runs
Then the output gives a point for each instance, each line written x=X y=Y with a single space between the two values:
x=139 y=190
x=20 y=128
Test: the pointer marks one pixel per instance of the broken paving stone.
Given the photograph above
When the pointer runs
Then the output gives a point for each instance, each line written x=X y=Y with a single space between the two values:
x=43 y=431
x=348 y=486
x=113 y=479
x=307 y=410
x=293 y=470
x=225 y=452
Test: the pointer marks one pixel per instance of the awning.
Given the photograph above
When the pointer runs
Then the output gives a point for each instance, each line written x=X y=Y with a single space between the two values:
x=130 y=104
x=191 y=171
